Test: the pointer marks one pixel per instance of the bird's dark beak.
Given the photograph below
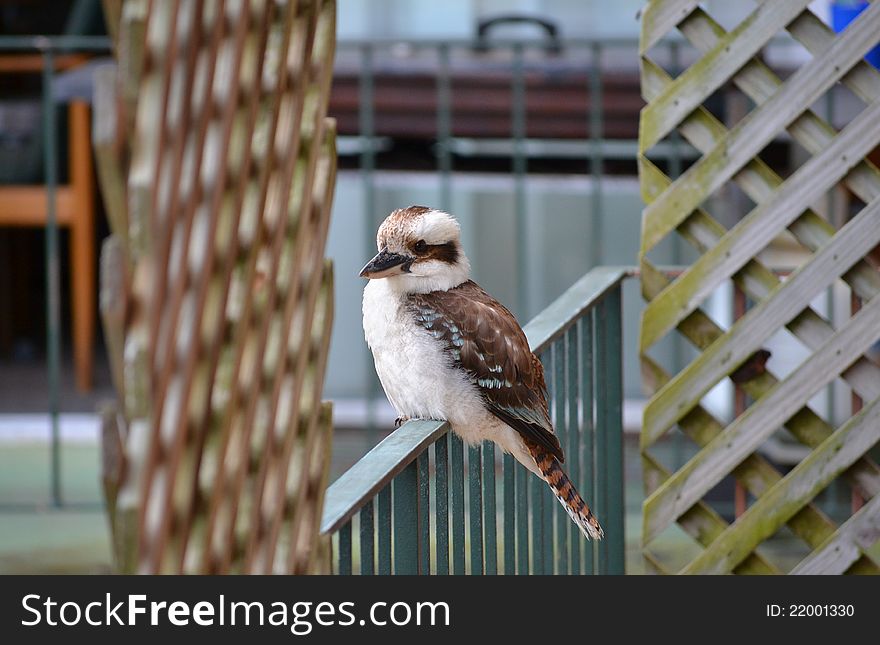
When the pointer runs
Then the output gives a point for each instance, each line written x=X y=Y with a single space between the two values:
x=385 y=265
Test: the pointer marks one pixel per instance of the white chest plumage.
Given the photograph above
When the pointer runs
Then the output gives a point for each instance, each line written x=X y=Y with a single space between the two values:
x=418 y=376
x=415 y=372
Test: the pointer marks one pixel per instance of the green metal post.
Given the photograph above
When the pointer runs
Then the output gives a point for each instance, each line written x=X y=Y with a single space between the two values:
x=405 y=495
x=522 y=519
x=345 y=550
x=424 y=513
x=604 y=392
x=441 y=490
x=508 y=517
x=613 y=430
x=589 y=479
x=53 y=281
x=457 y=468
x=475 y=510
x=489 y=510
x=368 y=564
x=384 y=524
x=559 y=395
x=537 y=505
x=573 y=457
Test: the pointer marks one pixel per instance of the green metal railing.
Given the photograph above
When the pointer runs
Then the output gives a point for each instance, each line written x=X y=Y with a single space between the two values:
x=421 y=502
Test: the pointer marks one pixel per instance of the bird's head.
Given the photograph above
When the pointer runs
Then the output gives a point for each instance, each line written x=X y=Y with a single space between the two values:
x=419 y=251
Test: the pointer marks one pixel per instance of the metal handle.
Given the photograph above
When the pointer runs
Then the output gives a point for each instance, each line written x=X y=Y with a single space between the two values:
x=552 y=45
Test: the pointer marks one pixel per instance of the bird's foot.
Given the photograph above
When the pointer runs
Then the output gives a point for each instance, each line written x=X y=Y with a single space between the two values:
x=399 y=421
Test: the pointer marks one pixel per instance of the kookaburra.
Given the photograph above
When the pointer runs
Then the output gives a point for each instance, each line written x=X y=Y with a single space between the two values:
x=445 y=349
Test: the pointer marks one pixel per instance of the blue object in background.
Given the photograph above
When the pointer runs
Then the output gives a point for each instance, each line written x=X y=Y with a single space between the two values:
x=842 y=15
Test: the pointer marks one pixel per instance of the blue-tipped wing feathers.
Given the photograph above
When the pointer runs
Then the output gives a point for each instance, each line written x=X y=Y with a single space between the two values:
x=484 y=339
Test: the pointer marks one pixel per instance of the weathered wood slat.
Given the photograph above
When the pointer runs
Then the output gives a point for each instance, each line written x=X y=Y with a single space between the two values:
x=759 y=182
x=750 y=429
x=764 y=222
x=659 y=19
x=755 y=472
x=759 y=83
x=751 y=134
x=705 y=525
x=853 y=241
x=805 y=425
x=798 y=204
x=758 y=282
x=859 y=533
x=700 y=80
x=803 y=483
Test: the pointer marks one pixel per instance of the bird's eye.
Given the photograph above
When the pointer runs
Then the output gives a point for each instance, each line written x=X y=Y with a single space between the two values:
x=421 y=246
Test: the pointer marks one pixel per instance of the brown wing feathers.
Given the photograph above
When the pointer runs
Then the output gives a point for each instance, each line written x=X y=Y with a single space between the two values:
x=485 y=340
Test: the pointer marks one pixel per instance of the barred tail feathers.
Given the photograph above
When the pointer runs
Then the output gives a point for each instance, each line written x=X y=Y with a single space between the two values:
x=566 y=493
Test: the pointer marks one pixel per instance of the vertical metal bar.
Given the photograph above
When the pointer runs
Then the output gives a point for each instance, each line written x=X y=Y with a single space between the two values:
x=366 y=122
x=345 y=549
x=589 y=477
x=603 y=395
x=522 y=519
x=489 y=517
x=405 y=495
x=441 y=491
x=457 y=469
x=573 y=457
x=612 y=430
x=518 y=130
x=368 y=563
x=509 y=518
x=537 y=504
x=384 y=525
x=560 y=545
x=444 y=126
x=475 y=510
x=550 y=504
x=617 y=506
x=597 y=122
x=53 y=280
x=424 y=513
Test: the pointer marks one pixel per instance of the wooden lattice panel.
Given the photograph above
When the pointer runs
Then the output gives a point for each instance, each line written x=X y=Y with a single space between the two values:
x=680 y=207
x=224 y=212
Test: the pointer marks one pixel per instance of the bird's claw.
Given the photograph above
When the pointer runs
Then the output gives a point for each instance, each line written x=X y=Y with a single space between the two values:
x=399 y=421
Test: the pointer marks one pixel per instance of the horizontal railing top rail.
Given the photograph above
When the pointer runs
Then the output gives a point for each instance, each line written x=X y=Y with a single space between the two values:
x=375 y=470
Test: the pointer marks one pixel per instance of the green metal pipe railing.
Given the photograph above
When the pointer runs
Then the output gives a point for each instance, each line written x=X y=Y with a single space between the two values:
x=434 y=508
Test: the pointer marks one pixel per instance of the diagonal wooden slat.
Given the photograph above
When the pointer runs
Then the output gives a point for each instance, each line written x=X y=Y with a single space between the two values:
x=855 y=239
x=755 y=472
x=659 y=19
x=699 y=81
x=757 y=281
x=859 y=533
x=751 y=134
x=798 y=205
x=805 y=425
x=807 y=185
x=803 y=483
x=705 y=525
x=750 y=429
